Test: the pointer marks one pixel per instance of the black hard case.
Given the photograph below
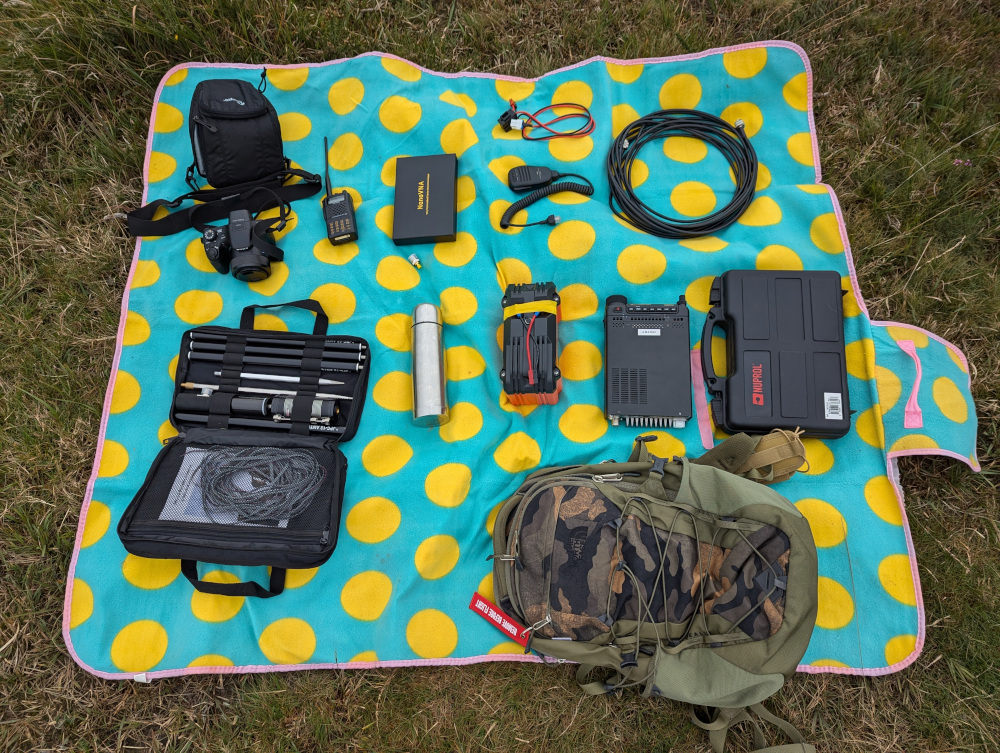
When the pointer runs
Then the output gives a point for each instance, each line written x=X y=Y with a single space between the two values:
x=785 y=353
x=304 y=543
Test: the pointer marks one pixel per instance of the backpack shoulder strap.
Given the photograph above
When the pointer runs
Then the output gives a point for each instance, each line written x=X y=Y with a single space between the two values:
x=768 y=459
x=717 y=722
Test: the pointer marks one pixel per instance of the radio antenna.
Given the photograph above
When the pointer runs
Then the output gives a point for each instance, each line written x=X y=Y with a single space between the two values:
x=326 y=159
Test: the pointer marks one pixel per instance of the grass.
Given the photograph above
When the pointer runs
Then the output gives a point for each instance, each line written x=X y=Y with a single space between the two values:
x=902 y=89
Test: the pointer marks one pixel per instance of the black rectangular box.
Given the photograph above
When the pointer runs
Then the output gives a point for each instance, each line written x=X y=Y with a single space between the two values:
x=785 y=353
x=424 y=208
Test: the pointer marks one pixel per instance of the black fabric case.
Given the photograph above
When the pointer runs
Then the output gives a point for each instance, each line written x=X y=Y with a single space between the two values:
x=785 y=353
x=305 y=541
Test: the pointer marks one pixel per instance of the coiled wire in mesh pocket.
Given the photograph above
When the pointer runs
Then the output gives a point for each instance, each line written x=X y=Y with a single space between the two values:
x=247 y=485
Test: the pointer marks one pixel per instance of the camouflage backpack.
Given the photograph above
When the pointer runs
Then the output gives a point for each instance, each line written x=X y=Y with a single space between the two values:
x=680 y=576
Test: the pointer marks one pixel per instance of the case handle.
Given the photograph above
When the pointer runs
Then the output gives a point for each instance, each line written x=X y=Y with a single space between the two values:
x=249 y=588
x=322 y=322
x=715 y=318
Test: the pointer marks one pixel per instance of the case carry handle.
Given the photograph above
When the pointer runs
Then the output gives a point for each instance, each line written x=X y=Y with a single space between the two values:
x=714 y=319
x=322 y=322
x=248 y=588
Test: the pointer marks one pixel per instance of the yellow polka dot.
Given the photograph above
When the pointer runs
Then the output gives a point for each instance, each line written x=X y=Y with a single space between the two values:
x=393 y=331
x=571 y=150
x=136 y=329
x=327 y=253
x=762 y=211
x=516 y=90
x=706 y=244
x=146 y=273
x=836 y=608
x=571 y=240
x=720 y=357
x=749 y=113
x=913 y=442
x=346 y=152
x=957 y=358
x=692 y=198
x=621 y=116
x=114 y=459
x=624 y=74
x=745 y=63
x=641 y=264
x=918 y=338
x=288 y=641
x=288 y=79
x=506 y=647
x=139 y=646
x=491 y=519
x=366 y=595
x=851 y=307
x=666 y=445
x=150 y=574
x=337 y=300
x=795 y=92
x=580 y=360
x=575 y=92
x=458 y=252
x=500 y=133
x=685 y=149
x=373 y=520
x=800 y=146
x=501 y=166
x=165 y=432
x=465 y=192
x=126 y=392
x=485 y=587
x=825 y=233
x=583 y=423
x=899 y=648
x=827 y=663
x=512 y=271
x=463 y=362
x=460 y=100
x=388 y=174
x=176 y=77
x=458 y=136
x=508 y=406
x=172 y=369
x=96 y=525
x=950 y=401
x=895 y=576
x=458 y=305
x=345 y=95
x=517 y=453
x=815 y=188
x=778 y=257
x=436 y=556
x=384 y=218
x=680 y=92
x=365 y=657
x=697 y=293
x=273 y=283
x=211 y=660
x=465 y=422
x=394 y=391
x=298 y=578
x=395 y=273
x=385 y=455
x=195 y=255
x=868 y=425
x=269 y=322
x=82 y=605
x=819 y=457
x=198 y=306
x=399 y=114
x=448 y=485
x=860 y=357
x=638 y=174
x=431 y=634
x=763 y=177
x=497 y=208
x=889 y=388
x=212 y=607
x=578 y=301
x=401 y=69
x=881 y=498
x=828 y=526
x=294 y=126
x=167 y=119
x=161 y=166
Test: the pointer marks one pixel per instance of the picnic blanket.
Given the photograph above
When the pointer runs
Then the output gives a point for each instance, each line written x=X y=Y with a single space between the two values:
x=420 y=503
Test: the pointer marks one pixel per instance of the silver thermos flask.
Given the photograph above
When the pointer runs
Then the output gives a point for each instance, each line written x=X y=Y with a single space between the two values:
x=430 y=398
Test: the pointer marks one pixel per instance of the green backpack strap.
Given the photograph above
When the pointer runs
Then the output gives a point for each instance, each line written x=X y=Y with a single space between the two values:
x=768 y=459
x=718 y=722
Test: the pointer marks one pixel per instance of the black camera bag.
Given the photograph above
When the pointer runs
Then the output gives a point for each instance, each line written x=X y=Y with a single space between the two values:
x=170 y=516
x=236 y=146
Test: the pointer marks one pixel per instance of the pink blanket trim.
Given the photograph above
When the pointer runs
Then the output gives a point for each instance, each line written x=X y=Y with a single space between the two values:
x=489 y=657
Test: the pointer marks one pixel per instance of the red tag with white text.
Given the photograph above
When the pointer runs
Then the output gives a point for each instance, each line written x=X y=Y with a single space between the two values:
x=490 y=611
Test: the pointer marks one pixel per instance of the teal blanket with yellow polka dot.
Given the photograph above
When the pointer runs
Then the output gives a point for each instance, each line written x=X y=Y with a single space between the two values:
x=419 y=502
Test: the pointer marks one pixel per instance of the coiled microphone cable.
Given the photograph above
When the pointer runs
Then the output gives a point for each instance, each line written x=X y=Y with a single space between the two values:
x=731 y=140
x=541 y=193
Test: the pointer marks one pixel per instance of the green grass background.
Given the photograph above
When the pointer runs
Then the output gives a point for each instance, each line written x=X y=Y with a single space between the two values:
x=902 y=90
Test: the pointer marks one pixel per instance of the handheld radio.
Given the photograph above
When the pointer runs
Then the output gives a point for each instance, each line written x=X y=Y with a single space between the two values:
x=338 y=210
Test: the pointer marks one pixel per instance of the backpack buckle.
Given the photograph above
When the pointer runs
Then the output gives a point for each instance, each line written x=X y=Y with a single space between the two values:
x=605 y=477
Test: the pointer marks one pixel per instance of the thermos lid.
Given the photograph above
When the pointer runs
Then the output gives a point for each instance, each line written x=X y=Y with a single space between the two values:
x=426 y=313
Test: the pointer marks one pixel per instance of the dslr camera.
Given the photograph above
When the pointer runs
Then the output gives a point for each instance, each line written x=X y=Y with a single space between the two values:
x=245 y=246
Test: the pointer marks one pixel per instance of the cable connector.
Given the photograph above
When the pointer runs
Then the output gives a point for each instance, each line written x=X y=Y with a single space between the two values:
x=414 y=260
x=552 y=219
x=506 y=119
x=517 y=124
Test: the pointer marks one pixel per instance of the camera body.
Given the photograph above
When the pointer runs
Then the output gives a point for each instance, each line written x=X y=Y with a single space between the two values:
x=244 y=247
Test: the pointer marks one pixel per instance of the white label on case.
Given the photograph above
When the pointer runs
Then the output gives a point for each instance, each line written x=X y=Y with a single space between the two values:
x=833 y=406
x=649 y=333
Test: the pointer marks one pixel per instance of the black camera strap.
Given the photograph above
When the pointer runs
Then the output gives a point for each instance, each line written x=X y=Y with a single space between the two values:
x=217 y=203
